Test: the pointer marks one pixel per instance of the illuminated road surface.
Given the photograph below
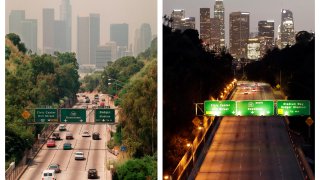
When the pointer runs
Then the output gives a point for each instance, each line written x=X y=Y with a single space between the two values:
x=250 y=147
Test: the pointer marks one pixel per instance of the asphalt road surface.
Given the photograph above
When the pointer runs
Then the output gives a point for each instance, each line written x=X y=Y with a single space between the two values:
x=95 y=152
x=251 y=148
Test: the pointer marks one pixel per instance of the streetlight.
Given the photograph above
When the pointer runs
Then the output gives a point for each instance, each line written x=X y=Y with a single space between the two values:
x=189 y=145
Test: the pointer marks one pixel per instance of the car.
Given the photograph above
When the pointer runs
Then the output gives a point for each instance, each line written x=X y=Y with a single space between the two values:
x=69 y=135
x=51 y=143
x=67 y=146
x=96 y=136
x=48 y=174
x=85 y=134
x=55 y=167
x=62 y=127
x=92 y=174
x=56 y=136
x=79 y=155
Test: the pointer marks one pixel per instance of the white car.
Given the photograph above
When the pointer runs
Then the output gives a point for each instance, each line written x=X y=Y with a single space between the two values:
x=62 y=127
x=79 y=155
x=85 y=134
x=48 y=174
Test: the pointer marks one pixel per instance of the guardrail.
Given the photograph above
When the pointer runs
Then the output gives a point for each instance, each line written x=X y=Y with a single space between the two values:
x=304 y=166
x=200 y=145
x=14 y=172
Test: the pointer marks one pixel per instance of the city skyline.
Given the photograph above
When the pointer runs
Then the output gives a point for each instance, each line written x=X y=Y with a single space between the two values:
x=135 y=15
x=259 y=10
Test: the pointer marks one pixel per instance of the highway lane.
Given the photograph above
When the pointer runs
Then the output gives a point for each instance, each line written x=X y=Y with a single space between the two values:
x=94 y=150
x=250 y=147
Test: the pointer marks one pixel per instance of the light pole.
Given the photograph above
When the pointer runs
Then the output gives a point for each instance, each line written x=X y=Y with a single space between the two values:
x=191 y=146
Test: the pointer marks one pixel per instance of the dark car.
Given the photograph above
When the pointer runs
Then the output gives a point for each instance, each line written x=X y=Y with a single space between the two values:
x=55 y=167
x=92 y=174
x=95 y=136
x=56 y=136
x=69 y=135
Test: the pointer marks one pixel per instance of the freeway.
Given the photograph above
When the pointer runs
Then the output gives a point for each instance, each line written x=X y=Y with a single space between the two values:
x=95 y=151
x=250 y=147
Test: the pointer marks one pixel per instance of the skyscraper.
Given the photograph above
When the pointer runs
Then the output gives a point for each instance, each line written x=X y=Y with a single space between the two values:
x=65 y=15
x=145 y=36
x=88 y=38
x=48 y=30
x=29 y=34
x=26 y=29
x=188 y=23
x=94 y=21
x=205 y=25
x=239 y=33
x=119 y=33
x=177 y=15
x=219 y=22
x=215 y=34
x=266 y=35
x=286 y=28
x=60 y=39
x=15 y=19
x=83 y=48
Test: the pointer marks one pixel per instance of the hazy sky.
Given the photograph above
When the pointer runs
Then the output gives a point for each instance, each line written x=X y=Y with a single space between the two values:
x=303 y=11
x=133 y=12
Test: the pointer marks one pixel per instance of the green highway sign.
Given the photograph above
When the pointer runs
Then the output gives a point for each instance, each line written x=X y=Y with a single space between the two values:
x=255 y=108
x=220 y=108
x=293 y=107
x=105 y=116
x=73 y=115
x=46 y=115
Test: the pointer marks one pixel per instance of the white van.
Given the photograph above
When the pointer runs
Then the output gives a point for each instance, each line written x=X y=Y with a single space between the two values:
x=48 y=175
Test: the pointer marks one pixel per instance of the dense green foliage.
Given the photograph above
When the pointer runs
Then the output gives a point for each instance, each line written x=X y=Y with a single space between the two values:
x=137 y=169
x=190 y=75
x=90 y=82
x=115 y=76
x=33 y=81
x=15 y=39
x=139 y=111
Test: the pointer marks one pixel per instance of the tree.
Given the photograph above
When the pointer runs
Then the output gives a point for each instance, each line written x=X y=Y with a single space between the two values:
x=139 y=110
x=137 y=169
x=15 y=39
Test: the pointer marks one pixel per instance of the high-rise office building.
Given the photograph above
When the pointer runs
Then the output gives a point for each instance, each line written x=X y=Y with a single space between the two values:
x=103 y=56
x=29 y=34
x=113 y=46
x=253 y=49
x=287 y=35
x=219 y=22
x=88 y=38
x=266 y=35
x=83 y=41
x=239 y=33
x=188 y=23
x=205 y=25
x=177 y=15
x=60 y=39
x=215 y=39
x=65 y=15
x=142 y=39
x=94 y=21
x=48 y=30
x=119 y=33
x=26 y=29
x=145 y=36
x=15 y=19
